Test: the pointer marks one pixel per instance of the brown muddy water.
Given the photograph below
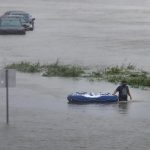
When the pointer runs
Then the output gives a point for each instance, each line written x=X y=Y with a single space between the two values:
x=86 y=32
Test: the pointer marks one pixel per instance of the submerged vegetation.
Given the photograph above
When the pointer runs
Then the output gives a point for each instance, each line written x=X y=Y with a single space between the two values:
x=55 y=69
x=133 y=76
x=25 y=67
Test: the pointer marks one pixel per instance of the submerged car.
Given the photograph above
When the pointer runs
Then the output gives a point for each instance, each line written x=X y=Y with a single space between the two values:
x=11 y=26
x=25 y=24
x=28 y=18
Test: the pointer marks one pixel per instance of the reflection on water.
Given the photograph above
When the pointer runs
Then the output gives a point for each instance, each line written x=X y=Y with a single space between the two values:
x=130 y=108
x=106 y=109
x=123 y=107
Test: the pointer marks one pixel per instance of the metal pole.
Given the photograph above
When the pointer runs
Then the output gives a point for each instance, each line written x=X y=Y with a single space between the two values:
x=7 y=98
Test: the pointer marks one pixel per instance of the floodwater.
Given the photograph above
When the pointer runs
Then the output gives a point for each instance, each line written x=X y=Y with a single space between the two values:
x=89 y=33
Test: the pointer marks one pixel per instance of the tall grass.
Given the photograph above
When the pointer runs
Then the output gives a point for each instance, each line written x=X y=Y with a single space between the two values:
x=133 y=76
x=63 y=70
x=115 y=74
x=25 y=67
x=55 y=69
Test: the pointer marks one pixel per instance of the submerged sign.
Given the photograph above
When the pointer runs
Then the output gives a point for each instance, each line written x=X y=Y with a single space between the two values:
x=7 y=79
x=7 y=74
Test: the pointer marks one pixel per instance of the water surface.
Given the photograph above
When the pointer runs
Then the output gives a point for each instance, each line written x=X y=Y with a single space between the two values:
x=86 y=32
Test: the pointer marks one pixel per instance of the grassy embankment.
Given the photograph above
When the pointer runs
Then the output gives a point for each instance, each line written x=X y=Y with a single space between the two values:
x=133 y=76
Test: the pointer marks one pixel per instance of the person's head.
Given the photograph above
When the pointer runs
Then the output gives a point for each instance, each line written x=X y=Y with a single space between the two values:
x=123 y=82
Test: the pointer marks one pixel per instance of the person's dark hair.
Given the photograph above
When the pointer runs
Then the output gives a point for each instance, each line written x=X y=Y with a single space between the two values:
x=124 y=82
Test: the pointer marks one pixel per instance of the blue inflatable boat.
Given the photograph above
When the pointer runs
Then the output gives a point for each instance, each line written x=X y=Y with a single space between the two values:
x=84 y=97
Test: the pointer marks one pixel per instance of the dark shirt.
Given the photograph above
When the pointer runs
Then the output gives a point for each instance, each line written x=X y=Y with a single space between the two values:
x=123 y=92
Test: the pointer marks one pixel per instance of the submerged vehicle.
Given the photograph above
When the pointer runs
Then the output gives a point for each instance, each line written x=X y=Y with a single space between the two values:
x=11 y=26
x=28 y=18
x=24 y=23
x=84 y=97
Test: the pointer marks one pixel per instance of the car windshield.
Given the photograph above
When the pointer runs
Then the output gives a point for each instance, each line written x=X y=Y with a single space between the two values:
x=26 y=16
x=22 y=20
x=10 y=23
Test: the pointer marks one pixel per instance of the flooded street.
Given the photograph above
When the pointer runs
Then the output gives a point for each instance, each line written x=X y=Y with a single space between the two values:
x=86 y=32
x=41 y=118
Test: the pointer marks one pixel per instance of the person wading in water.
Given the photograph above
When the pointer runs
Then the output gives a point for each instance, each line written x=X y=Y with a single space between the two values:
x=123 y=91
